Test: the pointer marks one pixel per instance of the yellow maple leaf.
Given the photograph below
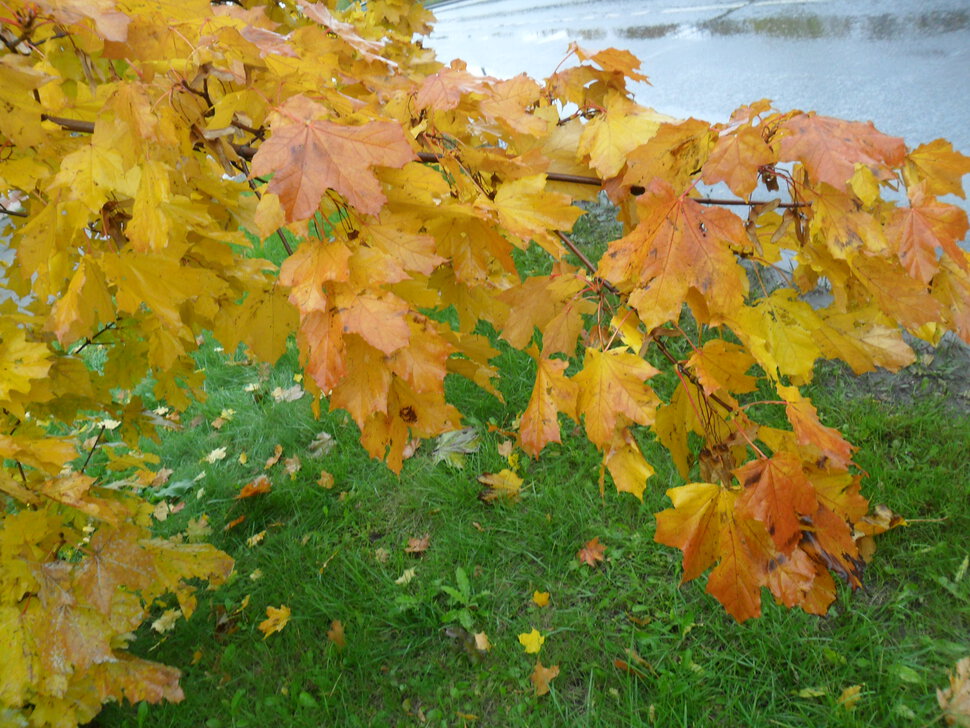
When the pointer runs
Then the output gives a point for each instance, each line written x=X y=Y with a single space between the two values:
x=541 y=599
x=532 y=641
x=276 y=619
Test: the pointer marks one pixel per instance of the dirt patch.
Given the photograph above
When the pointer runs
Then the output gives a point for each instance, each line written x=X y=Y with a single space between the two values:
x=941 y=372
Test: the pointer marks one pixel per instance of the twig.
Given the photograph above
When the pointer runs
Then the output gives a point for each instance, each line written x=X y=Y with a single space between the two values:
x=13 y=213
x=93 y=448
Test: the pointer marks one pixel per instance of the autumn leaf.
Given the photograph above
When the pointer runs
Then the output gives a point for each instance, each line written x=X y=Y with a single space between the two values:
x=850 y=697
x=592 y=552
x=307 y=155
x=274 y=458
x=276 y=620
x=481 y=642
x=215 y=455
x=954 y=701
x=532 y=641
x=418 y=545
x=260 y=484
x=336 y=634
x=541 y=677
x=503 y=485
x=540 y=599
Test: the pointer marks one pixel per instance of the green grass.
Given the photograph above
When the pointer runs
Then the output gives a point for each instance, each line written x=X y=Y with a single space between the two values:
x=336 y=554
x=339 y=553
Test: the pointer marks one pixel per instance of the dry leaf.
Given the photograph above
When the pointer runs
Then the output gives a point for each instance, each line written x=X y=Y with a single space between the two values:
x=336 y=634
x=481 y=642
x=276 y=619
x=255 y=539
x=290 y=394
x=406 y=577
x=955 y=700
x=166 y=622
x=321 y=445
x=198 y=529
x=292 y=466
x=592 y=552
x=418 y=545
x=243 y=458
x=505 y=448
x=274 y=458
x=325 y=480
x=216 y=455
x=541 y=677
x=233 y=523
x=161 y=478
x=504 y=484
x=381 y=555
x=256 y=486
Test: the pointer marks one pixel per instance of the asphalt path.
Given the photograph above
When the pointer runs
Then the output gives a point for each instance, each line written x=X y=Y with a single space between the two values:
x=903 y=64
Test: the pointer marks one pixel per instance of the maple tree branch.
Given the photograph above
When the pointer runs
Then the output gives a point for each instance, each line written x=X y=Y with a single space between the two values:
x=93 y=448
x=90 y=340
x=13 y=213
x=83 y=127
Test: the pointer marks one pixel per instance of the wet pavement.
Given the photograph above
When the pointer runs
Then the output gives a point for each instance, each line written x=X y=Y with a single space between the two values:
x=903 y=64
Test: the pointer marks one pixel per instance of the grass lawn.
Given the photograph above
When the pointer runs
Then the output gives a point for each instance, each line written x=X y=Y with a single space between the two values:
x=633 y=646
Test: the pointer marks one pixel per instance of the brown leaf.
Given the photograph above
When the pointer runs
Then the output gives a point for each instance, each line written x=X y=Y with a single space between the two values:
x=955 y=700
x=161 y=477
x=541 y=677
x=418 y=545
x=592 y=552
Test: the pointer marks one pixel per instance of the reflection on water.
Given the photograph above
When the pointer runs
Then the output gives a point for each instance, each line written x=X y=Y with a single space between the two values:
x=873 y=27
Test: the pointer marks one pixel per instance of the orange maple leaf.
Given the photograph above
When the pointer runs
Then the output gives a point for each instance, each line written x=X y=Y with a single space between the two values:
x=307 y=155
x=336 y=634
x=592 y=552
x=259 y=485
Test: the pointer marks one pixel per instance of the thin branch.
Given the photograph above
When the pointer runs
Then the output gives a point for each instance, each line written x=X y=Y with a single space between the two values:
x=93 y=448
x=286 y=245
x=90 y=340
x=83 y=127
x=13 y=213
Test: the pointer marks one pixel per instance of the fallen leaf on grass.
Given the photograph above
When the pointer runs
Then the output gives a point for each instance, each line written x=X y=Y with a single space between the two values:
x=955 y=700
x=255 y=539
x=321 y=445
x=243 y=458
x=166 y=622
x=418 y=545
x=850 y=697
x=274 y=458
x=453 y=446
x=381 y=555
x=504 y=484
x=292 y=466
x=256 y=486
x=541 y=677
x=405 y=577
x=161 y=478
x=481 y=642
x=540 y=599
x=276 y=619
x=222 y=419
x=336 y=634
x=198 y=529
x=216 y=455
x=290 y=394
x=410 y=447
x=233 y=523
x=592 y=552
x=325 y=480
x=505 y=448
x=532 y=641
